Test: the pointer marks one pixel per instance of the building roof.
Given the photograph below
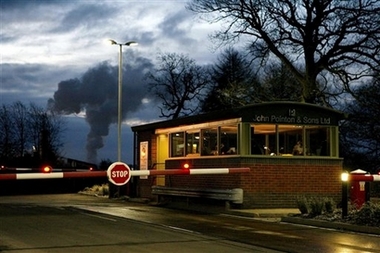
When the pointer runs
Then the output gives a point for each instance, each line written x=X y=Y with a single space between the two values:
x=270 y=112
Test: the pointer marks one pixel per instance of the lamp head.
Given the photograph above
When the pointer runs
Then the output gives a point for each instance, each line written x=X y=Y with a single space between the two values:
x=131 y=43
x=344 y=176
x=112 y=42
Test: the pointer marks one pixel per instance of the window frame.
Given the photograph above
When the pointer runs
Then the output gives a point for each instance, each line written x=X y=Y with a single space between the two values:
x=273 y=138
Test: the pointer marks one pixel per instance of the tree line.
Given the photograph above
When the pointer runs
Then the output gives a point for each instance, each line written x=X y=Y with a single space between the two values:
x=231 y=83
x=310 y=51
x=320 y=52
x=29 y=135
x=324 y=52
x=184 y=88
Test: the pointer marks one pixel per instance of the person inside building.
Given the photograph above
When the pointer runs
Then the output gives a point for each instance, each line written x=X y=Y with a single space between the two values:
x=223 y=149
x=298 y=148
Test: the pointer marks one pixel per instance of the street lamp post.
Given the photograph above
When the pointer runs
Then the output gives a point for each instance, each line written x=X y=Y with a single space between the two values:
x=120 y=82
x=344 y=178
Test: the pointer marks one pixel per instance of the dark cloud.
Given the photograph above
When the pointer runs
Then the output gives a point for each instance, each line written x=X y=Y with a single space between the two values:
x=21 y=76
x=148 y=38
x=5 y=38
x=7 y=5
x=96 y=93
x=16 y=11
x=23 y=20
x=176 y=26
x=29 y=82
x=55 y=17
x=87 y=16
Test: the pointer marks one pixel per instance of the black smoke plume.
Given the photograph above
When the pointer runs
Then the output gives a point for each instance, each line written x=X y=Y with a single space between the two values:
x=96 y=94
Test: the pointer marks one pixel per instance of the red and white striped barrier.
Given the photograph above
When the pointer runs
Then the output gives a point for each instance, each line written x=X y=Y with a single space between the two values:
x=52 y=175
x=15 y=169
x=366 y=177
x=201 y=171
x=82 y=174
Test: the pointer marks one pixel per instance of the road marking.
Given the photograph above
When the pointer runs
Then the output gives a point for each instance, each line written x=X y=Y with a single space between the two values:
x=266 y=232
x=181 y=229
x=100 y=217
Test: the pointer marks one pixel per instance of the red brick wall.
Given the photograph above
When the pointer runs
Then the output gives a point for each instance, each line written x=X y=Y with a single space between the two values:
x=272 y=182
x=281 y=185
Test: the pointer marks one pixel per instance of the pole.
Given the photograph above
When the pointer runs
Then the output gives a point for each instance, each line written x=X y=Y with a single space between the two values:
x=119 y=117
x=345 y=179
x=120 y=93
x=344 y=199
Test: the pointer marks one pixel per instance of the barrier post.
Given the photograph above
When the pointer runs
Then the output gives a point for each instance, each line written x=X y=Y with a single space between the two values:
x=344 y=177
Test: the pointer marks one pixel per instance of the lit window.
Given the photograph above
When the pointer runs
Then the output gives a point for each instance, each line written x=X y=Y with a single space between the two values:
x=228 y=140
x=290 y=140
x=192 y=143
x=177 y=144
x=209 y=141
x=317 y=140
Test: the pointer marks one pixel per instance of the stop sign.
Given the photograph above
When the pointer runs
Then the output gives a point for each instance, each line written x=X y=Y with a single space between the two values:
x=119 y=173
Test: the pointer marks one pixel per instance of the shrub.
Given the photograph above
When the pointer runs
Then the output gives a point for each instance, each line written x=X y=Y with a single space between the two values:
x=369 y=215
x=303 y=205
x=105 y=189
x=98 y=189
x=317 y=206
x=374 y=190
x=329 y=205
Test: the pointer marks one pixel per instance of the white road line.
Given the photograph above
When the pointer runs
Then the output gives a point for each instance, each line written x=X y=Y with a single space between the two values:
x=100 y=217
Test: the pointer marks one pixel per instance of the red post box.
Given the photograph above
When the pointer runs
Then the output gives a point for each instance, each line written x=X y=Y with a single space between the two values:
x=358 y=193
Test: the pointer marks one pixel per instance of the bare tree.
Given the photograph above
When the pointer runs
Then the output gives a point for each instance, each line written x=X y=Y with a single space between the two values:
x=338 y=38
x=19 y=120
x=360 y=134
x=234 y=83
x=46 y=128
x=7 y=134
x=29 y=135
x=278 y=84
x=178 y=82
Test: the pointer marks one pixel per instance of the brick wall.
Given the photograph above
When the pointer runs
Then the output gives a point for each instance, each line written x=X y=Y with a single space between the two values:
x=272 y=182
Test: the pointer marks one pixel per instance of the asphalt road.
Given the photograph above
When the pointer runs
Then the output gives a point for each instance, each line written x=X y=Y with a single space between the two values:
x=75 y=223
x=51 y=227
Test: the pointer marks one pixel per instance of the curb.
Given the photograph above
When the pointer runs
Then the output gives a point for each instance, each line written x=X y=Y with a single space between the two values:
x=333 y=225
x=253 y=214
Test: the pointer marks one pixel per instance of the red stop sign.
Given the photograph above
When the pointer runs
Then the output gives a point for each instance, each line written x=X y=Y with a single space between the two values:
x=119 y=173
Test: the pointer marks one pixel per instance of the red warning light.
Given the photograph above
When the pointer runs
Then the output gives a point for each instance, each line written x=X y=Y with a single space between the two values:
x=47 y=169
x=186 y=166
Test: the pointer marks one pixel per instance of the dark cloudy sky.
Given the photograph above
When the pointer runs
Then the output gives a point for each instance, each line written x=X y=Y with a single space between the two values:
x=55 y=49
